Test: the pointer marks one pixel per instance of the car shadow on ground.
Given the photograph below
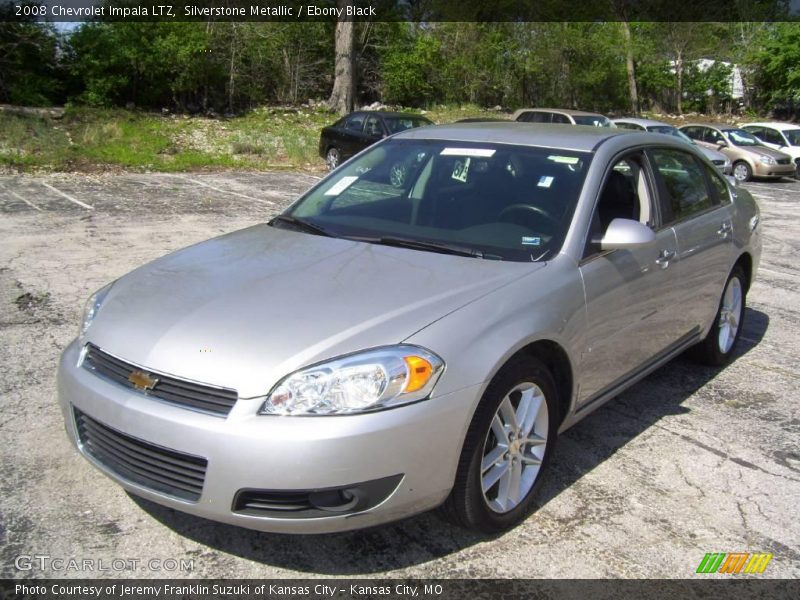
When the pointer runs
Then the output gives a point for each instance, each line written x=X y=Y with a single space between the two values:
x=426 y=537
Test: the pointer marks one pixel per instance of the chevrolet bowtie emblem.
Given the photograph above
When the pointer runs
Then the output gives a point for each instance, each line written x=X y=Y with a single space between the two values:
x=142 y=381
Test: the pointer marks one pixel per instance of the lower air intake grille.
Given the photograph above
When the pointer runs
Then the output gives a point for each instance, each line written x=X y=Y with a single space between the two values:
x=159 y=469
x=198 y=396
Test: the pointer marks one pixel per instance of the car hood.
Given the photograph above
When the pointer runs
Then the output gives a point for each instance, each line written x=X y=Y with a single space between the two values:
x=245 y=309
x=763 y=151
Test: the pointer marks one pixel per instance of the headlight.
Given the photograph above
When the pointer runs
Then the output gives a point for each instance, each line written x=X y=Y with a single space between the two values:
x=766 y=160
x=362 y=382
x=92 y=306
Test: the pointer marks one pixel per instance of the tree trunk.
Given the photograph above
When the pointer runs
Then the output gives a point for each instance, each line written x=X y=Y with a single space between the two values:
x=679 y=75
x=634 y=94
x=344 y=85
x=232 y=70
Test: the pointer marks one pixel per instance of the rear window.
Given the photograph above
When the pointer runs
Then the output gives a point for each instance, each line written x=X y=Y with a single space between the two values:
x=398 y=124
x=594 y=120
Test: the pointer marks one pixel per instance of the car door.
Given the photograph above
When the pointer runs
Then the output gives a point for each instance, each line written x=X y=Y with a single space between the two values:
x=757 y=131
x=351 y=137
x=771 y=138
x=694 y=201
x=630 y=294
x=702 y=136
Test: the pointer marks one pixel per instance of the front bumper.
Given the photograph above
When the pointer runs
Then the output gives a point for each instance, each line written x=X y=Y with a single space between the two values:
x=762 y=170
x=245 y=451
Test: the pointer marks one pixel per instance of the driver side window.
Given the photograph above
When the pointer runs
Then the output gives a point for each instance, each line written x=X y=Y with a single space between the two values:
x=625 y=195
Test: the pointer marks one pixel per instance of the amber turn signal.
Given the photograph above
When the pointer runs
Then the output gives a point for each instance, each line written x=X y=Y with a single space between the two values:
x=419 y=372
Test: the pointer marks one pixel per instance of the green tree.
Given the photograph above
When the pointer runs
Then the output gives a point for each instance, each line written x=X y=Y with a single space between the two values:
x=778 y=62
x=30 y=70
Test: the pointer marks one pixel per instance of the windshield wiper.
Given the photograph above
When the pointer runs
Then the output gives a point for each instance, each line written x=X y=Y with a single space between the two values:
x=301 y=224
x=441 y=247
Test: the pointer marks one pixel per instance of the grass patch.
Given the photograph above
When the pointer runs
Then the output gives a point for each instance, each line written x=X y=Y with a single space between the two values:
x=87 y=139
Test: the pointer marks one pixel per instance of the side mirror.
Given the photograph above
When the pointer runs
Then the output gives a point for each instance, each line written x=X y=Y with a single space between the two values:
x=626 y=233
x=721 y=144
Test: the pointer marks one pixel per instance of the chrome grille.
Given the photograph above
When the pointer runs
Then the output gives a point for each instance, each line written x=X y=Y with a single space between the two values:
x=783 y=161
x=214 y=400
x=159 y=469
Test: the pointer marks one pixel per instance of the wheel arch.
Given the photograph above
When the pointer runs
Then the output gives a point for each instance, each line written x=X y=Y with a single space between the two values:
x=556 y=359
x=745 y=261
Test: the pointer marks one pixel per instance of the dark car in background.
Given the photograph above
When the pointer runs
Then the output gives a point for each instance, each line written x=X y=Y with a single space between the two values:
x=351 y=134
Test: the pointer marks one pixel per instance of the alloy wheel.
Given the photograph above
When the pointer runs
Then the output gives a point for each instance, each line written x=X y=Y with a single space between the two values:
x=332 y=158
x=730 y=315
x=514 y=447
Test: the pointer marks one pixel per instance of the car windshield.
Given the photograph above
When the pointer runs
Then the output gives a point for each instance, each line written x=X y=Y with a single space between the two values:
x=595 y=120
x=398 y=124
x=739 y=137
x=492 y=201
x=792 y=136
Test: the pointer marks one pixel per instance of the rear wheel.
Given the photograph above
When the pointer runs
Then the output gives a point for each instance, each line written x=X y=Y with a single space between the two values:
x=720 y=343
x=797 y=169
x=742 y=171
x=506 y=450
x=332 y=158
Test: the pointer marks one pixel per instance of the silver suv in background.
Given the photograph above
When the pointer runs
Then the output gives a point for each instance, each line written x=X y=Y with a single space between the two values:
x=718 y=159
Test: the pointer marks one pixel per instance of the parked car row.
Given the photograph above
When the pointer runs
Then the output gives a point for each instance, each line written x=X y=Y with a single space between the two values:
x=718 y=159
x=769 y=150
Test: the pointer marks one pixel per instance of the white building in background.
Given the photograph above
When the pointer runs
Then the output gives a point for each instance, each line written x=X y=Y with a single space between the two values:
x=735 y=82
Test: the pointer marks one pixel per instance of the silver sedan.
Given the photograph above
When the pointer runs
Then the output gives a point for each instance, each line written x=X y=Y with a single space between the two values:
x=414 y=331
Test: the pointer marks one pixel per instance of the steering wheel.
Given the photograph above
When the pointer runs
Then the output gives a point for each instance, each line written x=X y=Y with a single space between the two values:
x=527 y=210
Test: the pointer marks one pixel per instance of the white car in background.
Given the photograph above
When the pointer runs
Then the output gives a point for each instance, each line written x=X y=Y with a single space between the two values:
x=722 y=162
x=780 y=136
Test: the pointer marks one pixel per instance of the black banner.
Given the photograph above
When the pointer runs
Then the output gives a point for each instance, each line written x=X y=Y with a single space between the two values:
x=425 y=589
x=398 y=10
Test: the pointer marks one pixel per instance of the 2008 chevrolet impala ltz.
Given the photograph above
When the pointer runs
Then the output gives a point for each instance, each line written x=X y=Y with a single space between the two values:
x=414 y=331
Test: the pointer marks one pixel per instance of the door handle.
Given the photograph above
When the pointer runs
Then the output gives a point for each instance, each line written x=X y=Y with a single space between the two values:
x=724 y=229
x=664 y=257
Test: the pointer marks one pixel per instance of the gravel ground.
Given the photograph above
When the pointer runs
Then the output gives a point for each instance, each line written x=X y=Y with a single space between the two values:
x=689 y=461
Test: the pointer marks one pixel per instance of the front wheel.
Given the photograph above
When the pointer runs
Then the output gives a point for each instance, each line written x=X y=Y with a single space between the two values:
x=718 y=347
x=742 y=171
x=507 y=448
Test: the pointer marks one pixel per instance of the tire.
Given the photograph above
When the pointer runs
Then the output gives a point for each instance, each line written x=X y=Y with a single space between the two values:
x=742 y=171
x=333 y=158
x=503 y=505
x=797 y=169
x=720 y=343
